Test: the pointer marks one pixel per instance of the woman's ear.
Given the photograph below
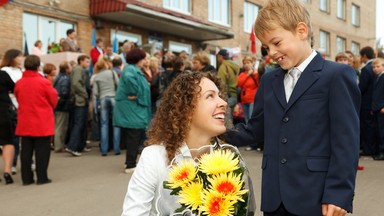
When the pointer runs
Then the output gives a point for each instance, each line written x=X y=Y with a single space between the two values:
x=302 y=30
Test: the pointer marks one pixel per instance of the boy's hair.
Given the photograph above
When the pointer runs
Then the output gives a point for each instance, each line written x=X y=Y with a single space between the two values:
x=48 y=68
x=378 y=61
x=32 y=62
x=64 y=66
x=282 y=13
x=341 y=55
x=82 y=58
x=368 y=52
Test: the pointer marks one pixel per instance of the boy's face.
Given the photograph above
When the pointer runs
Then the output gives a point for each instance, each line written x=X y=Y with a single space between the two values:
x=378 y=68
x=343 y=61
x=288 y=49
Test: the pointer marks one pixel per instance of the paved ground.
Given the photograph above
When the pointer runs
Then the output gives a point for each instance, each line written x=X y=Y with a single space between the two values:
x=95 y=185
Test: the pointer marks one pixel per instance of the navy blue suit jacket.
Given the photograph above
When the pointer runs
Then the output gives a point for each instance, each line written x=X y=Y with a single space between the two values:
x=367 y=79
x=378 y=94
x=311 y=143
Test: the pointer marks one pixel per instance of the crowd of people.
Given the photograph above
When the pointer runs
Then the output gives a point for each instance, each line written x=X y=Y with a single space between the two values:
x=47 y=110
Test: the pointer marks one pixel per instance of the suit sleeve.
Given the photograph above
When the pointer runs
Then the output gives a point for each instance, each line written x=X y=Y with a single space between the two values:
x=365 y=79
x=253 y=131
x=344 y=105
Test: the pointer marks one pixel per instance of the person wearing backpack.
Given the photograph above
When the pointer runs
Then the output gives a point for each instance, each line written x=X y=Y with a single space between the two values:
x=228 y=72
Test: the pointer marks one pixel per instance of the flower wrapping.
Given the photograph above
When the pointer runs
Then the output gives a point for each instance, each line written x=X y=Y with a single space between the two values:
x=214 y=181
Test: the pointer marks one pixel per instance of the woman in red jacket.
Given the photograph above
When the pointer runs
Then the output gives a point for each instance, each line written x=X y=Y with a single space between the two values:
x=248 y=81
x=37 y=99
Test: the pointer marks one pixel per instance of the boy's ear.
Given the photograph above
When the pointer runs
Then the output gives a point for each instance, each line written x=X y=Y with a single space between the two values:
x=302 y=30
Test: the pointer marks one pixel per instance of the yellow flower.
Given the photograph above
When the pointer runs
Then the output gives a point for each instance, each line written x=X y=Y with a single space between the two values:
x=215 y=204
x=191 y=195
x=182 y=174
x=228 y=185
x=219 y=162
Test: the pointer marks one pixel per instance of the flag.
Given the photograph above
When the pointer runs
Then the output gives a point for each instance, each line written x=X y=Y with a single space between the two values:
x=26 y=52
x=4 y=2
x=115 y=43
x=94 y=36
x=252 y=38
x=93 y=45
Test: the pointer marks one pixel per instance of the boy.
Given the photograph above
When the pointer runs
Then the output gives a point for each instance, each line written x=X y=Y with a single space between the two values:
x=306 y=112
x=378 y=104
x=342 y=58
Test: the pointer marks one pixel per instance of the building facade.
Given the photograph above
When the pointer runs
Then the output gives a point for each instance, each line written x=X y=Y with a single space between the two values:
x=177 y=25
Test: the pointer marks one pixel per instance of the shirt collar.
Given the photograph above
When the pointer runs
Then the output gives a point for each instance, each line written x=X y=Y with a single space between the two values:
x=306 y=62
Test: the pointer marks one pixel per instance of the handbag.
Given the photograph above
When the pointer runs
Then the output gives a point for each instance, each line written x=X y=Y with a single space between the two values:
x=12 y=111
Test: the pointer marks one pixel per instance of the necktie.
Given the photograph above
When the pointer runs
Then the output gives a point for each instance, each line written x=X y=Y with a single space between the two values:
x=290 y=81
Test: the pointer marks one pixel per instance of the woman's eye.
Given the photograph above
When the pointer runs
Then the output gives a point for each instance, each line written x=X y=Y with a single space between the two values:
x=209 y=96
x=277 y=43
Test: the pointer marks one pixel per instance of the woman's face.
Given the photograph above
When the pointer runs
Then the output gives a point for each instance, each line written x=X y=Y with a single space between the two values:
x=51 y=77
x=247 y=65
x=196 y=65
x=209 y=116
x=18 y=60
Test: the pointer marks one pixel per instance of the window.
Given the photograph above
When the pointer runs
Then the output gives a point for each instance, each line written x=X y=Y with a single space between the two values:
x=178 y=47
x=43 y=28
x=250 y=14
x=355 y=48
x=218 y=11
x=324 y=42
x=324 y=5
x=341 y=9
x=122 y=36
x=355 y=15
x=340 y=43
x=178 y=5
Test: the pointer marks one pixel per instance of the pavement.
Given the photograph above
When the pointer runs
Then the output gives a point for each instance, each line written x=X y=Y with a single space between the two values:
x=95 y=185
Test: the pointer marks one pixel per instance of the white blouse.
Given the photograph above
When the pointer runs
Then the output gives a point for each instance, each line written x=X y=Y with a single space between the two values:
x=145 y=195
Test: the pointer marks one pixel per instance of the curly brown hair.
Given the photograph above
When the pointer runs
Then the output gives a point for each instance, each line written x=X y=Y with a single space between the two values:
x=173 y=118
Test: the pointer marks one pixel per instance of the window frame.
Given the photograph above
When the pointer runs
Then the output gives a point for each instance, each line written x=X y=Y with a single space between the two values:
x=327 y=8
x=341 y=41
x=355 y=11
x=247 y=27
x=123 y=35
x=355 y=48
x=173 y=44
x=326 y=49
x=341 y=13
x=213 y=8
x=59 y=33
x=169 y=4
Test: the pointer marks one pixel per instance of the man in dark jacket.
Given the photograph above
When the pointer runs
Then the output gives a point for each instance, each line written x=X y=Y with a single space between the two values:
x=62 y=85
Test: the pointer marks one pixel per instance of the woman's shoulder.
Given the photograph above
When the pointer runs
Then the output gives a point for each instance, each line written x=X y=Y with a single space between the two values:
x=155 y=149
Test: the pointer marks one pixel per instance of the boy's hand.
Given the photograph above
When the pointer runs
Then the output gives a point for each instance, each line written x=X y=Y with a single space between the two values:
x=332 y=210
x=382 y=110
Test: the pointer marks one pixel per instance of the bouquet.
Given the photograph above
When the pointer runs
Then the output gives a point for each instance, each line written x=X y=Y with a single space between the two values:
x=53 y=48
x=216 y=183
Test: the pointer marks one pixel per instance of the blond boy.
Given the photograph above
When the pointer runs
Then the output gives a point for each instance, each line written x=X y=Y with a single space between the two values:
x=306 y=112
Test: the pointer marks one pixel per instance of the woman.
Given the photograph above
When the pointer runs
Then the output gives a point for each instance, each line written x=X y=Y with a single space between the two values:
x=146 y=69
x=50 y=72
x=248 y=82
x=201 y=62
x=36 y=50
x=104 y=88
x=7 y=122
x=192 y=113
x=133 y=106
x=37 y=99
x=11 y=64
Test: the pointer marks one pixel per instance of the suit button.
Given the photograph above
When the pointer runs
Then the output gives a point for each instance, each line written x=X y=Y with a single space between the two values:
x=284 y=140
x=283 y=161
x=285 y=119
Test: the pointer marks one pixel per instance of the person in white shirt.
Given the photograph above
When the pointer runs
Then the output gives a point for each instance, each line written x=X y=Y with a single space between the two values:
x=36 y=50
x=191 y=115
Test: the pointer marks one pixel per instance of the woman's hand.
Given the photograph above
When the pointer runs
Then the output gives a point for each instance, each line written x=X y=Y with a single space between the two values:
x=131 y=97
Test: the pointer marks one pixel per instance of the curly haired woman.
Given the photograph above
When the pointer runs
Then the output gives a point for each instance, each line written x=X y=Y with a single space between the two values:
x=191 y=114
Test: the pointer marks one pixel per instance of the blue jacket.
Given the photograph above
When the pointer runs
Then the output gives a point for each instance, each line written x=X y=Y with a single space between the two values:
x=63 y=86
x=311 y=143
x=378 y=94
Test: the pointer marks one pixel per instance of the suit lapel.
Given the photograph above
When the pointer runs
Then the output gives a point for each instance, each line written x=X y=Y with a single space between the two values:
x=307 y=78
x=278 y=88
